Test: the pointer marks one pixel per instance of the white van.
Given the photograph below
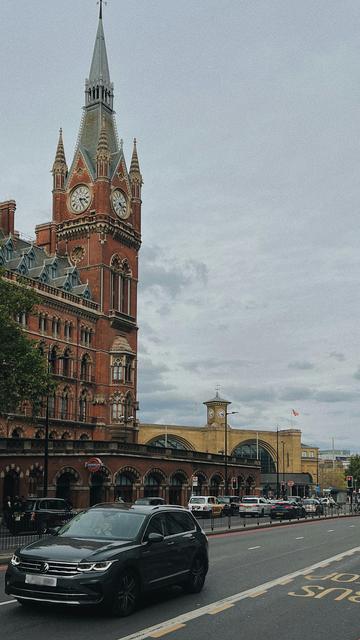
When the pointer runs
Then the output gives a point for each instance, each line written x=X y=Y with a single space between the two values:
x=205 y=506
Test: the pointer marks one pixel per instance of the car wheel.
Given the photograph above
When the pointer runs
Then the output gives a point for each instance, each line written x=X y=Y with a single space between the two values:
x=196 y=579
x=126 y=595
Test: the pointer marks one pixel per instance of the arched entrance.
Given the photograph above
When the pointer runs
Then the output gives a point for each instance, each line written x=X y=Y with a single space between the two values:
x=124 y=485
x=215 y=482
x=152 y=484
x=66 y=479
x=177 y=482
x=200 y=484
x=99 y=486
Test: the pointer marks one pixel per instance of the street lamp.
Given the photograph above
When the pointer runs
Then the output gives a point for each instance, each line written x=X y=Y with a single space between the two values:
x=227 y=413
x=283 y=468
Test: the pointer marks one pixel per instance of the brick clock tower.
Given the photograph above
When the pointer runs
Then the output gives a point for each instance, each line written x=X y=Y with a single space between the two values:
x=96 y=222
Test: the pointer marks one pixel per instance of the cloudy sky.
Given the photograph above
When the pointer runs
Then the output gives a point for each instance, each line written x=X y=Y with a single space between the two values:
x=248 y=121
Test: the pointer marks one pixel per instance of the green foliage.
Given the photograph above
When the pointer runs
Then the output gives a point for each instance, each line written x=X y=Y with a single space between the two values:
x=23 y=369
x=354 y=469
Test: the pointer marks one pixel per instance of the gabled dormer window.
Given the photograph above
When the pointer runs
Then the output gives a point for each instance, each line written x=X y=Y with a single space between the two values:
x=9 y=250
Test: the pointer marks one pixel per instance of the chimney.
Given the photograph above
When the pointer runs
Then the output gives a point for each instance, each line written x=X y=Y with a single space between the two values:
x=7 y=217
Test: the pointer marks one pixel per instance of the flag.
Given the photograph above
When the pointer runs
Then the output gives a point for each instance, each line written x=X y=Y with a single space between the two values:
x=294 y=413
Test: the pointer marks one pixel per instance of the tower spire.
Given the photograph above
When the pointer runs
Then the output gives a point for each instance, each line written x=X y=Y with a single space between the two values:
x=102 y=153
x=59 y=169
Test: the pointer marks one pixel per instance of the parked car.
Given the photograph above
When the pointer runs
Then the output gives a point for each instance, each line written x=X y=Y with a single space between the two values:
x=313 y=506
x=254 y=506
x=152 y=501
x=38 y=514
x=329 y=503
x=231 y=504
x=205 y=506
x=287 y=509
x=108 y=555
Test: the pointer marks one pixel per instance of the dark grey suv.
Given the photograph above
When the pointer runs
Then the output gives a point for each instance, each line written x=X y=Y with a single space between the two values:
x=109 y=555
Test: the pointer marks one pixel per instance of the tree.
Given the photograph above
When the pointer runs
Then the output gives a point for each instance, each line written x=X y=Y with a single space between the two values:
x=354 y=470
x=23 y=370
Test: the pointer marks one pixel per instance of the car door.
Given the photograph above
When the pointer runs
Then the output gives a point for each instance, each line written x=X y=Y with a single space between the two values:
x=156 y=564
x=181 y=539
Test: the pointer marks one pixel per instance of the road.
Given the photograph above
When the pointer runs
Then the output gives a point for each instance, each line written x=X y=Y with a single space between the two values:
x=277 y=583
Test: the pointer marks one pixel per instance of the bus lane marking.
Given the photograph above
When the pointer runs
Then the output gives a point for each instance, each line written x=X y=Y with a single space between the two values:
x=169 y=625
x=337 y=593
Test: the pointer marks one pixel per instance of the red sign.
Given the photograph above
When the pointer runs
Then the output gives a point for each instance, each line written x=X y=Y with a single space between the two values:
x=349 y=478
x=290 y=483
x=93 y=465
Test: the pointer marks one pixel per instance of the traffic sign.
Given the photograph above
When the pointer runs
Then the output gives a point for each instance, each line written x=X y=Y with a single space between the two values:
x=93 y=465
x=195 y=481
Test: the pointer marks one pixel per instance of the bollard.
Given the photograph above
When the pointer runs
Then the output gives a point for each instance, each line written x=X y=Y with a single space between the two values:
x=229 y=521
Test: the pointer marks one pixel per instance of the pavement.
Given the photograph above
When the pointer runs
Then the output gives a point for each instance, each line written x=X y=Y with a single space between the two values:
x=274 y=582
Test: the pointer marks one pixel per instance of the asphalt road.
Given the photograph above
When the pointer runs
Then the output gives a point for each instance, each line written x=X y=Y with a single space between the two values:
x=283 y=582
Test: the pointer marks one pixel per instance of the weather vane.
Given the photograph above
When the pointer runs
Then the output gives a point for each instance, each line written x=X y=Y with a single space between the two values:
x=101 y=2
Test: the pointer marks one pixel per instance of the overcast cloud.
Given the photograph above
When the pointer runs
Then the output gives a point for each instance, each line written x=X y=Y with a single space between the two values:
x=247 y=117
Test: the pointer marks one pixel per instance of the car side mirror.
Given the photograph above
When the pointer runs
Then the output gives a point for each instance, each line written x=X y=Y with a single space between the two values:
x=155 y=537
x=53 y=531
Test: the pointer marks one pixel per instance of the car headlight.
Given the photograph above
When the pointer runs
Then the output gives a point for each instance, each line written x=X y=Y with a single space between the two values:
x=15 y=560
x=85 y=567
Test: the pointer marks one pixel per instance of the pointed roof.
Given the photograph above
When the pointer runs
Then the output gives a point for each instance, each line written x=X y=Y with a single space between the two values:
x=99 y=70
x=98 y=110
x=217 y=399
x=134 y=167
x=60 y=159
x=103 y=144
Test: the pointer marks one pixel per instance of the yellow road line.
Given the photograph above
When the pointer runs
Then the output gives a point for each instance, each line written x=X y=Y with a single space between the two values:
x=222 y=608
x=258 y=593
x=163 y=632
x=286 y=581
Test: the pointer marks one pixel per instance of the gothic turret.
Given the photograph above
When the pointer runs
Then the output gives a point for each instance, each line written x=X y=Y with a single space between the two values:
x=103 y=154
x=59 y=169
x=135 y=174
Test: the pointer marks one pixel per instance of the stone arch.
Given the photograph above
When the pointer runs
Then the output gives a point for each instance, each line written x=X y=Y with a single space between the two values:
x=153 y=481
x=178 y=484
x=124 y=481
x=248 y=449
x=216 y=480
x=66 y=435
x=66 y=480
x=54 y=435
x=84 y=436
x=202 y=483
x=39 y=434
x=166 y=440
x=99 y=486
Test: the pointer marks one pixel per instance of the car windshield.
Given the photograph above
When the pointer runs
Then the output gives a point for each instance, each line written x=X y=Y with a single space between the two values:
x=197 y=500
x=111 y=524
x=250 y=500
x=29 y=505
x=223 y=500
x=309 y=502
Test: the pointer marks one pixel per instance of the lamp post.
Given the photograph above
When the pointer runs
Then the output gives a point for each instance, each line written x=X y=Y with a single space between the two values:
x=277 y=464
x=283 y=467
x=227 y=413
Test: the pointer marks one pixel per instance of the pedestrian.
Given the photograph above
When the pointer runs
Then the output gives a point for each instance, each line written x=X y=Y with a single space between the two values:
x=8 y=509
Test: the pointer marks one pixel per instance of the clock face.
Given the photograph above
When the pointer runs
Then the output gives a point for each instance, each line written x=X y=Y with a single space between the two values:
x=221 y=413
x=119 y=204
x=211 y=413
x=80 y=198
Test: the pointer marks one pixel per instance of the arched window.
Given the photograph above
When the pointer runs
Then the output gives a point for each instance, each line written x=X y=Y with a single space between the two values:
x=120 y=293
x=250 y=450
x=117 y=409
x=127 y=369
x=170 y=442
x=84 y=436
x=66 y=361
x=53 y=360
x=52 y=405
x=85 y=368
x=116 y=370
x=128 y=408
x=39 y=434
x=17 y=433
x=83 y=407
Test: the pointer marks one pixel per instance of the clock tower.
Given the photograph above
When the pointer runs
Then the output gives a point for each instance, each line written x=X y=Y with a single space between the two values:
x=216 y=411
x=96 y=223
